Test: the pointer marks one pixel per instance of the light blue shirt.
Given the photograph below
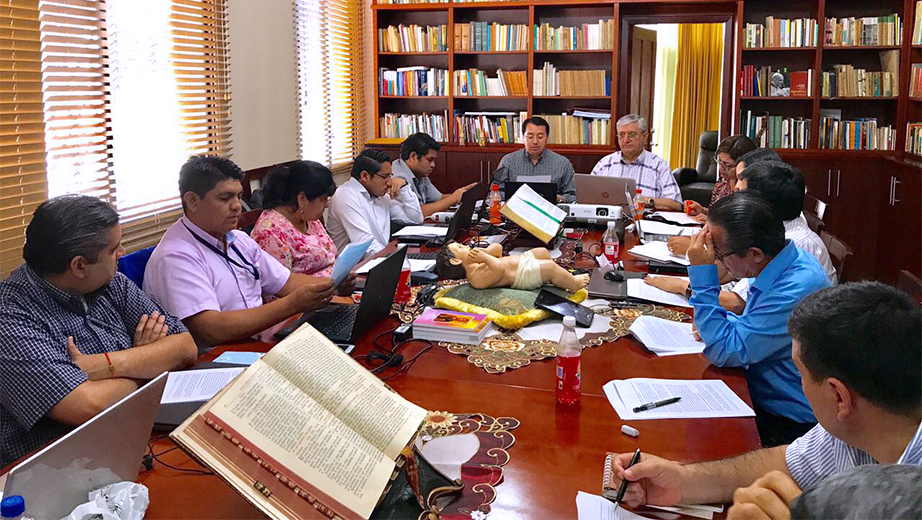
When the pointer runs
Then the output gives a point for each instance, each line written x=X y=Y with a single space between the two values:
x=758 y=340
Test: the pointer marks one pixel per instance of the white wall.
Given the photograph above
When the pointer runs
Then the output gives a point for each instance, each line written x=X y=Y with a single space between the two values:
x=264 y=82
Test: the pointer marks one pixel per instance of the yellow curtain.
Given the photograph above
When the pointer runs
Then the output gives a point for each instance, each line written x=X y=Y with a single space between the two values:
x=697 y=89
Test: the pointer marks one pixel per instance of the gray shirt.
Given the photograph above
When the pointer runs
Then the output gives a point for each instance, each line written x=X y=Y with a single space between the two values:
x=422 y=187
x=550 y=163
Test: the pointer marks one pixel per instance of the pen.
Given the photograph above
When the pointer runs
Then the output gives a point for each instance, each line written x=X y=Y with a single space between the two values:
x=624 y=482
x=656 y=404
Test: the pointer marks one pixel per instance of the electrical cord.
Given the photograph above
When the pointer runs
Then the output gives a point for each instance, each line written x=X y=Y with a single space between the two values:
x=151 y=456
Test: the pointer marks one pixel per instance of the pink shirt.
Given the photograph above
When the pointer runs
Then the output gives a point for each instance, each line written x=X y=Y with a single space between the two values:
x=187 y=277
x=312 y=253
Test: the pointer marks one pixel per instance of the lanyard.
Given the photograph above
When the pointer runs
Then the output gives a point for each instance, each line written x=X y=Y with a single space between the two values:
x=248 y=267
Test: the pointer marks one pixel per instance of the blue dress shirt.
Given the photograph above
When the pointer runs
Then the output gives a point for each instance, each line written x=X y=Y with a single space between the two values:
x=758 y=340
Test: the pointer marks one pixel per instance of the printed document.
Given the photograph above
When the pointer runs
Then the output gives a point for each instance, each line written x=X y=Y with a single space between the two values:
x=637 y=288
x=348 y=258
x=595 y=507
x=665 y=337
x=196 y=385
x=654 y=227
x=676 y=217
x=425 y=231
x=416 y=266
x=534 y=214
x=658 y=251
x=705 y=398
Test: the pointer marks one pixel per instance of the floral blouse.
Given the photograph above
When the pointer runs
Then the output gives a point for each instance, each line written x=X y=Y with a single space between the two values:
x=721 y=190
x=310 y=253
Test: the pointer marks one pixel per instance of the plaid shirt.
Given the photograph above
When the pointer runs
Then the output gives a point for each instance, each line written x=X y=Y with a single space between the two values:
x=36 y=371
x=550 y=163
x=650 y=171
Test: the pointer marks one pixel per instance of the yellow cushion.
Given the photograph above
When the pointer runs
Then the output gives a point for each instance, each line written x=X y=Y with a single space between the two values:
x=508 y=308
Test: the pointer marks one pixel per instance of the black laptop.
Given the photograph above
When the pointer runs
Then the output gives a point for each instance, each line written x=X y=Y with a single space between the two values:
x=458 y=223
x=547 y=190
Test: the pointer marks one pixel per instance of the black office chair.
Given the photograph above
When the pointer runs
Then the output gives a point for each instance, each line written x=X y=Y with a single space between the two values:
x=698 y=183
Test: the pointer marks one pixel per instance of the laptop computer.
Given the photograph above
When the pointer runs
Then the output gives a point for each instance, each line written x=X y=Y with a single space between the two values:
x=548 y=190
x=600 y=287
x=346 y=324
x=104 y=450
x=458 y=223
x=608 y=191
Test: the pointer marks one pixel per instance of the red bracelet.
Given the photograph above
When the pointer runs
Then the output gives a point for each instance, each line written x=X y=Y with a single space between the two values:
x=111 y=366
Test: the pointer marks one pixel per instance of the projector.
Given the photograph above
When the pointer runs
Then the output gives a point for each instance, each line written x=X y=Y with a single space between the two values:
x=591 y=213
x=442 y=216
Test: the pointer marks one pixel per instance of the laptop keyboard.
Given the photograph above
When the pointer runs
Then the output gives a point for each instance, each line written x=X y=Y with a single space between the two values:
x=338 y=323
x=423 y=256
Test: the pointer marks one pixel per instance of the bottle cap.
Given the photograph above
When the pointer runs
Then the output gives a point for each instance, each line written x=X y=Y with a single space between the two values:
x=638 y=190
x=12 y=506
x=569 y=321
x=611 y=223
x=494 y=187
x=627 y=430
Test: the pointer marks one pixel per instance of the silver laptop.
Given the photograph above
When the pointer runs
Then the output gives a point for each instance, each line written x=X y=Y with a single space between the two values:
x=104 y=450
x=609 y=191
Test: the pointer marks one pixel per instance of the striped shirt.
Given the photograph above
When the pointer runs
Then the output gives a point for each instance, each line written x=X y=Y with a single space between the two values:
x=651 y=173
x=551 y=163
x=818 y=455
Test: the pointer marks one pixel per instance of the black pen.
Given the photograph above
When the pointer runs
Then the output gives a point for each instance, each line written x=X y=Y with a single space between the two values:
x=656 y=404
x=624 y=482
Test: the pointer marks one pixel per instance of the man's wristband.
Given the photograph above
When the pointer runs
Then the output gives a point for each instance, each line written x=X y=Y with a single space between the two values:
x=111 y=366
x=688 y=292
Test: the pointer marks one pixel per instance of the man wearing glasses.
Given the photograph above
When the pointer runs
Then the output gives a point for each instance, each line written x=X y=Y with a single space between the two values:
x=650 y=171
x=746 y=235
x=364 y=206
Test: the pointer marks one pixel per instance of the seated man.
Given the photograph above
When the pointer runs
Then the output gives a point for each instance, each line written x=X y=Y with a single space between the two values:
x=75 y=335
x=417 y=160
x=651 y=172
x=858 y=347
x=746 y=236
x=783 y=187
x=536 y=160
x=363 y=207
x=212 y=276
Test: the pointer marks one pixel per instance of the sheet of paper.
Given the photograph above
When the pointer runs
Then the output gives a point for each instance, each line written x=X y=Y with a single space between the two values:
x=426 y=231
x=704 y=512
x=665 y=337
x=661 y=228
x=348 y=258
x=416 y=266
x=239 y=358
x=676 y=217
x=534 y=214
x=533 y=178
x=196 y=385
x=658 y=251
x=705 y=398
x=637 y=288
x=596 y=507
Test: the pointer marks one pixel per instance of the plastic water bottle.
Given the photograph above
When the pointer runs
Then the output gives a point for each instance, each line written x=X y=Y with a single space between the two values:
x=638 y=204
x=610 y=243
x=403 y=283
x=568 y=372
x=13 y=507
x=495 y=202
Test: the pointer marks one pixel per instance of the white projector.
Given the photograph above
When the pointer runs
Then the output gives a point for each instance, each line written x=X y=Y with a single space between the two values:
x=442 y=216
x=591 y=213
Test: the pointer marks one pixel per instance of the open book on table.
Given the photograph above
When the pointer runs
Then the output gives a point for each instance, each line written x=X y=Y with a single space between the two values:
x=305 y=432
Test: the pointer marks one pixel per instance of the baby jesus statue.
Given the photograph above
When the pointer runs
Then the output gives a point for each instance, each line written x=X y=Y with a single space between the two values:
x=486 y=268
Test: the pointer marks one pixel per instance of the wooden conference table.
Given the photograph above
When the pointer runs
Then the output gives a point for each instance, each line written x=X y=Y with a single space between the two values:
x=558 y=451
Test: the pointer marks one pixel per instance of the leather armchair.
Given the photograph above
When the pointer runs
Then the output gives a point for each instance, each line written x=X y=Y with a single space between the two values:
x=697 y=183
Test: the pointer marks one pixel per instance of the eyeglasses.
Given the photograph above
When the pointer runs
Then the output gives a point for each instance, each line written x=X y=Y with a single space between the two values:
x=385 y=177
x=725 y=166
x=720 y=256
x=628 y=135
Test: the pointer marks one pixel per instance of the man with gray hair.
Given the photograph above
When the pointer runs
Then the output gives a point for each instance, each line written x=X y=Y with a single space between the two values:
x=651 y=172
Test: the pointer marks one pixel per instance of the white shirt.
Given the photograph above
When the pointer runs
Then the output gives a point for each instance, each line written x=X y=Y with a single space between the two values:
x=357 y=216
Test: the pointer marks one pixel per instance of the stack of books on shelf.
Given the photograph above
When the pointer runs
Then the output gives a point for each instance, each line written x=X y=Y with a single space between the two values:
x=917 y=25
x=484 y=36
x=593 y=127
x=413 y=38
x=770 y=131
x=451 y=326
x=588 y=36
x=847 y=81
x=915 y=81
x=549 y=81
x=405 y=125
x=489 y=127
x=873 y=30
x=475 y=82
x=413 y=81
x=766 y=82
x=862 y=134
x=914 y=138
x=781 y=32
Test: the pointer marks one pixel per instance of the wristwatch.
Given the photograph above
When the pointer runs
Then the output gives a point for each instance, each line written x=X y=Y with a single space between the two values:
x=688 y=292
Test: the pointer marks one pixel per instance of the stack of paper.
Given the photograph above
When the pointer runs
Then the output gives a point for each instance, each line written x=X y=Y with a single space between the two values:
x=676 y=217
x=637 y=288
x=425 y=231
x=653 y=227
x=658 y=251
x=665 y=337
x=701 y=399
x=534 y=214
x=416 y=266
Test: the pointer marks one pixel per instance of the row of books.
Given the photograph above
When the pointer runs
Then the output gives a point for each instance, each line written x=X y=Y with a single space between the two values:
x=766 y=82
x=770 y=131
x=489 y=127
x=405 y=125
x=847 y=81
x=588 y=36
x=573 y=129
x=475 y=82
x=917 y=25
x=914 y=138
x=781 y=32
x=413 y=38
x=413 y=81
x=915 y=81
x=485 y=36
x=862 y=134
x=873 y=30
x=549 y=81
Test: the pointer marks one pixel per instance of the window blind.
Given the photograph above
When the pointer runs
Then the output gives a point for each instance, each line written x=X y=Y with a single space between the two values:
x=22 y=154
x=330 y=46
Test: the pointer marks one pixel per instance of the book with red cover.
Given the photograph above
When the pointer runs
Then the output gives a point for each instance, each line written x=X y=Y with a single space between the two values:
x=800 y=84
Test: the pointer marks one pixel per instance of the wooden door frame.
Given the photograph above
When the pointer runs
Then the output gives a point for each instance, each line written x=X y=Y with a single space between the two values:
x=719 y=13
